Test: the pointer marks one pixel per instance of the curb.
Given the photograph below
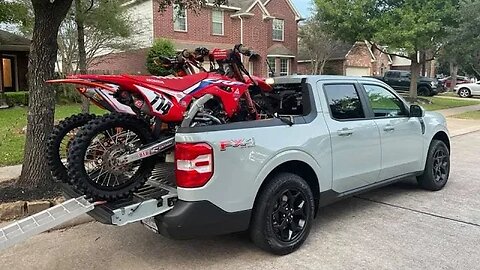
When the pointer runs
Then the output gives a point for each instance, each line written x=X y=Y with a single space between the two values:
x=9 y=212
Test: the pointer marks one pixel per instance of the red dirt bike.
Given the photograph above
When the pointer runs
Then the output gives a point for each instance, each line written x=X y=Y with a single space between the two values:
x=63 y=133
x=111 y=156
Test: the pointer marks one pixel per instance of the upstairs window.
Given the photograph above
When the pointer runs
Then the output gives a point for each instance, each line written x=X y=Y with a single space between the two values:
x=179 y=19
x=284 y=66
x=278 y=29
x=217 y=22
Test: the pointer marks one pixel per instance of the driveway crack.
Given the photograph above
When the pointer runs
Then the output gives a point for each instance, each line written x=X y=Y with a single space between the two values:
x=419 y=211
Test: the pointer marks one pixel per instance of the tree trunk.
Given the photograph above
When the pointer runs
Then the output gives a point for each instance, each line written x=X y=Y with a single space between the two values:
x=82 y=53
x=453 y=75
x=415 y=71
x=322 y=66
x=41 y=67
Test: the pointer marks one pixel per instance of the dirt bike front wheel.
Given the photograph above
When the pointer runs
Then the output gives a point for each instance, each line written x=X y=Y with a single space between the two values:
x=60 y=140
x=93 y=155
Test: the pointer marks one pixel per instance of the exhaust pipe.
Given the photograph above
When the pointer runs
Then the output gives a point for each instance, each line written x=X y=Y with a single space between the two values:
x=196 y=106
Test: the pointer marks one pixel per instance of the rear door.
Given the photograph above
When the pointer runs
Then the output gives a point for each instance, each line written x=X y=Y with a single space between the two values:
x=392 y=78
x=355 y=139
x=401 y=135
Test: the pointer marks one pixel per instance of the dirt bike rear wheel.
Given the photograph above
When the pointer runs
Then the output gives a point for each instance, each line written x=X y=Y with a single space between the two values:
x=59 y=141
x=92 y=156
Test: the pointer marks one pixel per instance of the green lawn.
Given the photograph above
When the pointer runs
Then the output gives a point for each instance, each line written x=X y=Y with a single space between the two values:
x=13 y=120
x=473 y=115
x=438 y=103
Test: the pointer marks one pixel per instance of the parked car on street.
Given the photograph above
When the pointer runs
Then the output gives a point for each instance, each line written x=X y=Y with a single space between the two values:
x=400 y=81
x=467 y=89
x=447 y=82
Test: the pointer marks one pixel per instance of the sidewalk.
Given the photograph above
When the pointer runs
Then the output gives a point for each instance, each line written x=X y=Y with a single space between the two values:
x=10 y=172
x=459 y=110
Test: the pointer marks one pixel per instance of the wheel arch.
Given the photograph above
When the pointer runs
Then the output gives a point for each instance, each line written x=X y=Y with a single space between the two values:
x=442 y=136
x=299 y=167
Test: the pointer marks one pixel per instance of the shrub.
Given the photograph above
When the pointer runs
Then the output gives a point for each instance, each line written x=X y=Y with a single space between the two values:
x=17 y=98
x=161 y=47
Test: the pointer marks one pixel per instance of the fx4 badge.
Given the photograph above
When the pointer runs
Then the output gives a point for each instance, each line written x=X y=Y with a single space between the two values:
x=238 y=143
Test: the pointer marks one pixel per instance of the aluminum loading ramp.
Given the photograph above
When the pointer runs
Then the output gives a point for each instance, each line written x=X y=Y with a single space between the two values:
x=157 y=196
x=43 y=221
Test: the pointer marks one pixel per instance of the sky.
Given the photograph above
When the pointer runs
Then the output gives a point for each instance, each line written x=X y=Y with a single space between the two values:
x=303 y=6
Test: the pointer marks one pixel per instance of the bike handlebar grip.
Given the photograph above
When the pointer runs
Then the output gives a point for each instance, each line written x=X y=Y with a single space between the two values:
x=244 y=50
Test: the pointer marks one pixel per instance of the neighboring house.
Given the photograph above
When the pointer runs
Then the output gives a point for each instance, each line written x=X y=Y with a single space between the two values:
x=269 y=27
x=14 y=51
x=359 y=59
x=401 y=63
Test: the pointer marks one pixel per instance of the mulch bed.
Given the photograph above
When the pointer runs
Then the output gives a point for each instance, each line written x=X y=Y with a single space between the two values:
x=9 y=192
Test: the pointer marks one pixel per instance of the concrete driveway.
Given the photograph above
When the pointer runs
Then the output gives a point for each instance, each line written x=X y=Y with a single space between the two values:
x=397 y=227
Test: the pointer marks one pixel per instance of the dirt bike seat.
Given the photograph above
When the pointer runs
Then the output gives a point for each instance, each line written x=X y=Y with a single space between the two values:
x=172 y=83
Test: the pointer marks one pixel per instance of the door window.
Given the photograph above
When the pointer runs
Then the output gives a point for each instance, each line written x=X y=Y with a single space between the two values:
x=344 y=102
x=384 y=104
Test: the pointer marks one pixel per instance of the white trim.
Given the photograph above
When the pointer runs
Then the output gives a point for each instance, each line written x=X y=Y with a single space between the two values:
x=246 y=14
x=370 y=50
x=298 y=16
x=283 y=29
x=186 y=20
x=305 y=61
x=262 y=7
x=281 y=55
x=223 y=22
x=241 y=29
x=223 y=7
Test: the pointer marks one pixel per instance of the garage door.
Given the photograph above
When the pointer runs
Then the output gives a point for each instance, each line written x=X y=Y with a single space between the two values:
x=357 y=71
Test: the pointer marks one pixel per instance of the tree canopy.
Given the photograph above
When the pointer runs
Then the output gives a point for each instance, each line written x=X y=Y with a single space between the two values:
x=407 y=25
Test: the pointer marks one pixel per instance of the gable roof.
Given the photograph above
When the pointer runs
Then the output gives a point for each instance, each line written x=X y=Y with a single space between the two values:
x=12 y=42
x=298 y=16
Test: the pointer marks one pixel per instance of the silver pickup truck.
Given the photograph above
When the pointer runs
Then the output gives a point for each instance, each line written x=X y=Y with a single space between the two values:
x=333 y=137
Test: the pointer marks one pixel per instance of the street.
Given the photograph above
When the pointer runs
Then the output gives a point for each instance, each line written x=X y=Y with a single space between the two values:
x=397 y=227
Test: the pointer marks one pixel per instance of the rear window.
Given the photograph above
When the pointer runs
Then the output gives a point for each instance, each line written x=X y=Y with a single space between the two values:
x=288 y=99
x=344 y=101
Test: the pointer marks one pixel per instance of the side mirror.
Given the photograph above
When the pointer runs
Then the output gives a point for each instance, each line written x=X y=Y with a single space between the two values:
x=416 y=111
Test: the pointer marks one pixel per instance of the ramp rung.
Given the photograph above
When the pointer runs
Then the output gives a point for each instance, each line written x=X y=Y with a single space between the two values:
x=23 y=229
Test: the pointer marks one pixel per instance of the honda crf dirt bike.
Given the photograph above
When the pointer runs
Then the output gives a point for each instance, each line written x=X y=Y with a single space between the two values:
x=112 y=156
x=102 y=96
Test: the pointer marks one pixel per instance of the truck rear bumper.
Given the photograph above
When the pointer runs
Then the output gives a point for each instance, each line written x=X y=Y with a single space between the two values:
x=202 y=218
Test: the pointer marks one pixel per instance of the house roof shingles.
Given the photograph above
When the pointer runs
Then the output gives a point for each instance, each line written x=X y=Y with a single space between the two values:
x=339 y=54
x=12 y=42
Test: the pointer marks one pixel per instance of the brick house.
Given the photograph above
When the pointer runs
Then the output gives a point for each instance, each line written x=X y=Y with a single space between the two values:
x=359 y=59
x=267 y=26
x=14 y=51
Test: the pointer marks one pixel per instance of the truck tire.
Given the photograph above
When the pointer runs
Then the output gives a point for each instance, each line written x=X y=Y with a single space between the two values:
x=101 y=141
x=437 y=167
x=283 y=214
x=68 y=126
x=424 y=91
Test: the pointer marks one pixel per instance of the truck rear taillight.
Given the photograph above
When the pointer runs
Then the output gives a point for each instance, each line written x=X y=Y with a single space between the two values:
x=193 y=164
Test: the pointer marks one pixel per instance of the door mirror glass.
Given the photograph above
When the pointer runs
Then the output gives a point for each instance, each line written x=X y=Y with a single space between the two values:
x=416 y=111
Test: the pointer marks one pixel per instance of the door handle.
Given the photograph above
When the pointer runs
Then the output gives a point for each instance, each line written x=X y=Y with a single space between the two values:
x=345 y=132
x=389 y=128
